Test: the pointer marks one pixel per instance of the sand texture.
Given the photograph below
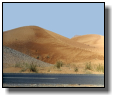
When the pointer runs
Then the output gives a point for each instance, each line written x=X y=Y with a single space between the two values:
x=50 y=47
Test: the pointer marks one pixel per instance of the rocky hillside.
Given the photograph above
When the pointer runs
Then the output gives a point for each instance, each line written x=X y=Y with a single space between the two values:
x=11 y=57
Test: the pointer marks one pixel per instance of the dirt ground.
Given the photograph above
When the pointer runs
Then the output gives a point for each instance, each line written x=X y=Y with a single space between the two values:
x=65 y=69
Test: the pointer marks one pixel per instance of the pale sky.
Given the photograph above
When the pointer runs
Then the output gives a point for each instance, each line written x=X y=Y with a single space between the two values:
x=66 y=19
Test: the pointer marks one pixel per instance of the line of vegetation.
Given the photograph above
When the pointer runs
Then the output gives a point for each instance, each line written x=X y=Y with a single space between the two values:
x=25 y=66
x=98 y=67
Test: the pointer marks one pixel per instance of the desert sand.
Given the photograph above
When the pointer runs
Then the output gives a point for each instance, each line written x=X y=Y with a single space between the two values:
x=51 y=47
x=36 y=41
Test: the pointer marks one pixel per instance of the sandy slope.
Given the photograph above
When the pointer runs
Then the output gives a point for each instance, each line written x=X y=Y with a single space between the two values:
x=51 y=47
x=92 y=40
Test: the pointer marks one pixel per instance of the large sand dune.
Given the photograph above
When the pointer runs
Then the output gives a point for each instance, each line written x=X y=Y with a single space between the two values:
x=51 y=47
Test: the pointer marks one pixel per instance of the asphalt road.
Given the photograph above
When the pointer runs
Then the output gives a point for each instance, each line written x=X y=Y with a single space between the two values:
x=21 y=78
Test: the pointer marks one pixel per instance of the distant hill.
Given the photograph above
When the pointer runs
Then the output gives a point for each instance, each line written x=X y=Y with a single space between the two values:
x=92 y=39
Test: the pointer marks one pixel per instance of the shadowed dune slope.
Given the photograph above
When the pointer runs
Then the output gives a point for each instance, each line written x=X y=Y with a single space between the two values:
x=49 y=46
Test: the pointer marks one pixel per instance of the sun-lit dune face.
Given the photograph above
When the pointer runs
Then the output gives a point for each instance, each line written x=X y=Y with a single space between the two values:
x=51 y=47
x=92 y=40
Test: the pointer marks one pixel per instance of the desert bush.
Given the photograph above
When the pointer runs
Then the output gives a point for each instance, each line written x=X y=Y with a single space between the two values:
x=76 y=69
x=100 y=68
x=33 y=68
x=88 y=66
x=59 y=64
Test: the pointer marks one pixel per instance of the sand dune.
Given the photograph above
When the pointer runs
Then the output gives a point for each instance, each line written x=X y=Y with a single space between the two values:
x=92 y=40
x=51 y=47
